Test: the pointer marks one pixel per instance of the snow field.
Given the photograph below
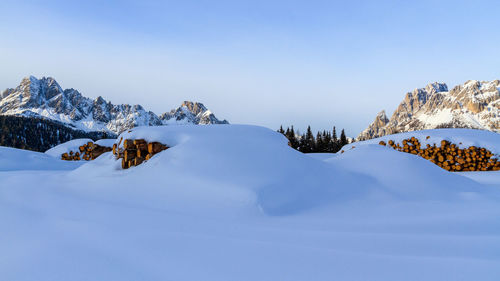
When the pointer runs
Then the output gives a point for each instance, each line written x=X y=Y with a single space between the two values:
x=234 y=202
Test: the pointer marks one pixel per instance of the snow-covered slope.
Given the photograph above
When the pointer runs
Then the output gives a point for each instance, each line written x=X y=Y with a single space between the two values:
x=236 y=203
x=474 y=105
x=13 y=159
x=45 y=98
x=74 y=145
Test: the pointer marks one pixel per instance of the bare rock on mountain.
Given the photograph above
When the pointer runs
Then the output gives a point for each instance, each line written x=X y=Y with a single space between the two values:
x=45 y=98
x=475 y=104
x=191 y=112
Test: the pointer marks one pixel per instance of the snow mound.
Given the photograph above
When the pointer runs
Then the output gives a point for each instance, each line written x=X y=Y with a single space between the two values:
x=13 y=159
x=72 y=145
x=256 y=166
x=249 y=160
x=105 y=142
x=406 y=176
x=463 y=138
x=236 y=203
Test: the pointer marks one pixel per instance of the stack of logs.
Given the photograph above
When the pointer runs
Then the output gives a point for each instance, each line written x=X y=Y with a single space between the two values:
x=88 y=151
x=134 y=152
x=449 y=156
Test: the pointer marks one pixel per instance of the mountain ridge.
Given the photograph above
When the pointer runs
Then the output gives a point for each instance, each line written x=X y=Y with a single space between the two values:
x=474 y=104
x=45 y=98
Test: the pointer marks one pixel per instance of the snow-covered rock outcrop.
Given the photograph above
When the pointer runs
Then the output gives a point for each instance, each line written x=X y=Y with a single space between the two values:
x=473 y=105
x=45 y=98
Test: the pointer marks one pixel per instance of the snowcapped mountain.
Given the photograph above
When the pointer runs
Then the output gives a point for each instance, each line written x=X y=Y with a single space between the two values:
x=190 y=112
x=475 y=104
x=45 y=98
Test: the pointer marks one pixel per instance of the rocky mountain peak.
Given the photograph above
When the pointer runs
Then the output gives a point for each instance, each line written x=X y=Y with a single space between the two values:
x=194 y=107
x=45 y=98
x=436 y=87
x=473 y=104
x=381 y=118
x=191 y=112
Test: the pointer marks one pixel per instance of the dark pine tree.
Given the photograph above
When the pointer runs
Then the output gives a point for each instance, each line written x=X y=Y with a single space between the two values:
x=310 y=140
x=294 y=143
x=343 y=139
x=281 y=131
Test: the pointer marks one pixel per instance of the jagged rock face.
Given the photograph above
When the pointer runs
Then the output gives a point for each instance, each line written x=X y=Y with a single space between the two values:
x=378 y=126
x=190 y=112
x=45 y=98
x=474 y=105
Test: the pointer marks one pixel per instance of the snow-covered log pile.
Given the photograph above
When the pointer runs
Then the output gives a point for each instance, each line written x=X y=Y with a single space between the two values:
x=449 y=156
x=87 y=151
x=450 y=149
x=135 y=151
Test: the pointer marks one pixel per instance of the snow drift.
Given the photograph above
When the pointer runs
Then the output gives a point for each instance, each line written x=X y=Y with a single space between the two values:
x=463 y=138
x=234 y=202
x=13 y=159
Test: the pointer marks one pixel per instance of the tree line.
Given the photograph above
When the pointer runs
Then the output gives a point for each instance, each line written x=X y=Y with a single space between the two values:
x=39 y=134
x=307 y=143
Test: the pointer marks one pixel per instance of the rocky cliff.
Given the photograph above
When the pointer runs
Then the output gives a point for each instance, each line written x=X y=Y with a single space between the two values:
x=474 y=104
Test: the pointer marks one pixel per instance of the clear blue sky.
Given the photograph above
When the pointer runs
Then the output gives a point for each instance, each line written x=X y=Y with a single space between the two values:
x=268 y=62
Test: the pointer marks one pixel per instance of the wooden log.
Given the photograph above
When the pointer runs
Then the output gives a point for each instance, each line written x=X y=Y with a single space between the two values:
x=124 y=164
x=139 y=141
x=138 y=161
x=99 y=150
x=440 y=158
x=142 y=146
x=151 y=147
x=142 y=153
x=128 y=144
x=82 y=148
x=382 y=143
x=129 y=154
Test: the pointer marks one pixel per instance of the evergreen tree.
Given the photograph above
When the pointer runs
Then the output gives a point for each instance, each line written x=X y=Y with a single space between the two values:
x=319 y=147
x=310 y=140
x=38 y=134
x=281 y=131
x=307 y=143
x=293 y=139
x=343 y=138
